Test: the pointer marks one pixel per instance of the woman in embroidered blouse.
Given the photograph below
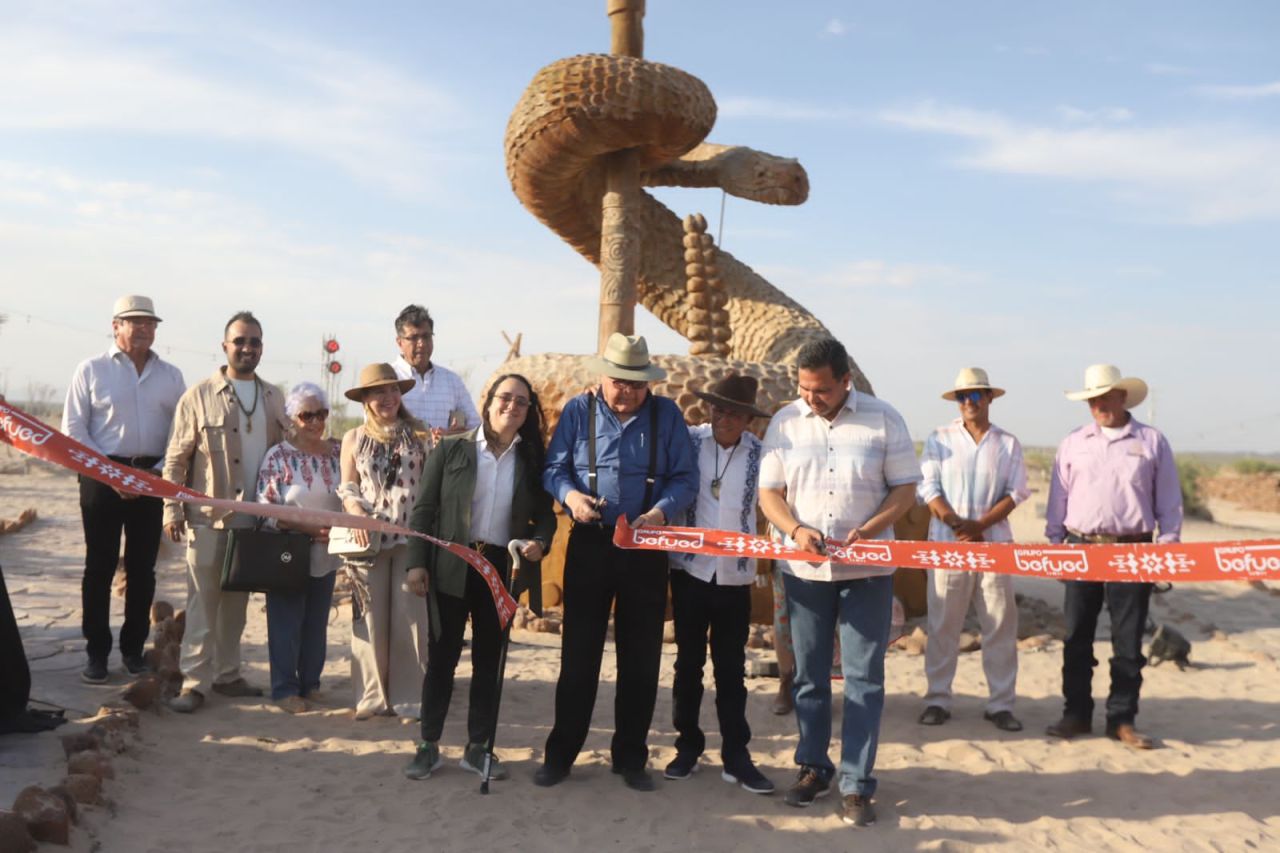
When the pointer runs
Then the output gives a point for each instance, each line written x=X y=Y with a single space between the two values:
x=381 y=467
x=301 y=471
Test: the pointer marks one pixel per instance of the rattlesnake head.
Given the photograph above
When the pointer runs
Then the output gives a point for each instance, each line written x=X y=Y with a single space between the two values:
x=754 y=175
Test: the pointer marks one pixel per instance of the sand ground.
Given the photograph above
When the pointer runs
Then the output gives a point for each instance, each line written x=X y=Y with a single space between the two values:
x=242 y=775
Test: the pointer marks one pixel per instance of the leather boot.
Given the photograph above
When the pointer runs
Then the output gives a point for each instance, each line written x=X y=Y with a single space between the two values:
x=783 y=704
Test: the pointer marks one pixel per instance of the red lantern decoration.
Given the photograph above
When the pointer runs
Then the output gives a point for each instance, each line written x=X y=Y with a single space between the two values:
x=331 y=346
x=335 y=367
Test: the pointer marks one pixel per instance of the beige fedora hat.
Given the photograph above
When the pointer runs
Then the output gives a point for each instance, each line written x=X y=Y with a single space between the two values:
x=626 y=357
x=375 y=376
x=134 y=306
x=972 y=379
x=1101 y=378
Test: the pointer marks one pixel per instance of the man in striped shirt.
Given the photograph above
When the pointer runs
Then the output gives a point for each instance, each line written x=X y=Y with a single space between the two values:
x=974 y=476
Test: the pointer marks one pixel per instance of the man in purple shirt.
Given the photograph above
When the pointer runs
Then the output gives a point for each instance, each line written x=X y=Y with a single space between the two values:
x=1113 y=481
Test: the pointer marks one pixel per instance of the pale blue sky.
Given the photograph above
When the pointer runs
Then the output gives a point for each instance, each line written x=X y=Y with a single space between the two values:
x=1030 y=187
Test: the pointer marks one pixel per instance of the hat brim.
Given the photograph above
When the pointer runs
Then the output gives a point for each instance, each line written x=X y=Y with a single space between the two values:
x=648 y=373
x=731 y=405
x=1135 y=392
x=951 y=395
x=128 y=315
x=356 y=395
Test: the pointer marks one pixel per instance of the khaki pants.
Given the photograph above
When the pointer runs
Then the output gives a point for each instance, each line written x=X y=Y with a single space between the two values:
x=949 y=596
x=215 y=619
x=389 y=644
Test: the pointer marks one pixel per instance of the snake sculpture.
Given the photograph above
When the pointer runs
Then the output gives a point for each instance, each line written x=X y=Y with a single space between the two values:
x=575 y=113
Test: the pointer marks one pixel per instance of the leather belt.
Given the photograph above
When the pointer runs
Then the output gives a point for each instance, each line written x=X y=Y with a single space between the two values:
x=479 y=545
x=1111 y=538
x=146 y=463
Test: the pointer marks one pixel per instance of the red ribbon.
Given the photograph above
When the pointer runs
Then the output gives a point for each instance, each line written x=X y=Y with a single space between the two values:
x=35 y=438
x=1144 y=562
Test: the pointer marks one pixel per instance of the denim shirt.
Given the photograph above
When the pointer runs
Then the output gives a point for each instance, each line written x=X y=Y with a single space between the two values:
x=622 y=459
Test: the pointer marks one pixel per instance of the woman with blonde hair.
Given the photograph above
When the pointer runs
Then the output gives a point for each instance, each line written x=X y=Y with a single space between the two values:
x=382 y=461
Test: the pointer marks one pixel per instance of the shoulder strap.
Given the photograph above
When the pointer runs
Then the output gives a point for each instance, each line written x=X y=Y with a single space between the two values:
x=653 y=455
x=591 y=444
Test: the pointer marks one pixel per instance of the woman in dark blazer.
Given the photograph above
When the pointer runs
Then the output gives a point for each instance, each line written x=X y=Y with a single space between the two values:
x=481 y=489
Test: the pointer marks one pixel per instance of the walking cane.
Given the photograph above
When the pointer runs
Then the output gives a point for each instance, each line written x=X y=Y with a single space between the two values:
x=513 y=548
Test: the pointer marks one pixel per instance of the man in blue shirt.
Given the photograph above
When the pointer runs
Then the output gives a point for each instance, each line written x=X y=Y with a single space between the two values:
x=618 y=450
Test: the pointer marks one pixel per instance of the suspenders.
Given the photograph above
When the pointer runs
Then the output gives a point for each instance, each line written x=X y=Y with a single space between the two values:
x=650 y=478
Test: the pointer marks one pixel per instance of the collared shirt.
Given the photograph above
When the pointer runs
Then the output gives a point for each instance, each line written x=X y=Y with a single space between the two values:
x=622 y=458
x=436 y=394
x=293 y=477
x=837 y=473
x=113 y=409
x=1114 y=486
x=738 y=470
x=495 y=484
x=973 y=476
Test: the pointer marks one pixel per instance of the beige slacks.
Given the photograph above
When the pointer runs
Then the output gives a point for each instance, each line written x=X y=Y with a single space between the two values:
x=949 y=596
x=389 y=644
x=215 y=619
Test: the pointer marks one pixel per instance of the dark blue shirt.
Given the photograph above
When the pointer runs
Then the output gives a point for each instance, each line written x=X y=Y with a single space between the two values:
x=622 y=458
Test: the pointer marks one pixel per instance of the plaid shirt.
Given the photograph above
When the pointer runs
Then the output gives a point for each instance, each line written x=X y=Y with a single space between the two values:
x=435 y=394
x=972 y=476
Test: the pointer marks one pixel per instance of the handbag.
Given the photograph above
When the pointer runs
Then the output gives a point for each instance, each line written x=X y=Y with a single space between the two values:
x=266 y=561
x=342 y=543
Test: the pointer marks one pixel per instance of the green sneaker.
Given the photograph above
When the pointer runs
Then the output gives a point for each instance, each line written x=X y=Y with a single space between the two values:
x=427 y=759
x=473 y=760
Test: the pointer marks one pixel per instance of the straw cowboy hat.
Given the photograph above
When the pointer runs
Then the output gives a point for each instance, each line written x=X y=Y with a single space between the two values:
x=1101 y=378
x=375 y=376
x=735 y=393
x=626 y=357
x=972 y=379
x=134 y=306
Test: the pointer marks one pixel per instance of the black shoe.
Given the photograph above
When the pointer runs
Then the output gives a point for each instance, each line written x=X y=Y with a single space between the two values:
x=857 y=810
x=1005 y=721
x=135 y=664
x=684 y=765
x=637 y=779
x=425 y=760
x=809 y=785
x=95 y=672
x=548 y=775
x=746 y=774
x=934 y=715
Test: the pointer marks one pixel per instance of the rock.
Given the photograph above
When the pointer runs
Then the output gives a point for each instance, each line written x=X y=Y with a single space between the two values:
x=669 y=632
x=143 y=692
x=68 y=800
x=161 y=610
x=14 y=835
x=1034 y=642
x=541 y=626
x=45 y=813
x=117 y=715
x=84 y=789
x=1219 y=636
x=91 y=762
x=110 y=738
x=552 y=595
x=79 y=742
x=970 y=642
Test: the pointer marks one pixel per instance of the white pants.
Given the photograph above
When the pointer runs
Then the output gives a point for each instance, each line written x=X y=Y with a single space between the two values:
x=949 y=596
x=215 y=619
x=389 y=644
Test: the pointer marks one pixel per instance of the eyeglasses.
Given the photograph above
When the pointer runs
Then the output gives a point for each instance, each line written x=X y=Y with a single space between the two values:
x=317 y=415
x=251 y=343
x=418 y=339
x=974 y=397
x=512 y=400
x=633 y=384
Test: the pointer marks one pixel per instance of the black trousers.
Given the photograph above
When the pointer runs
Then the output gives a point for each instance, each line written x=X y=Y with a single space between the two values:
x=1128 y=604
x=15 y=675
x=105 y=514
x=599 y=576
x=724 y=611
x=443 y=653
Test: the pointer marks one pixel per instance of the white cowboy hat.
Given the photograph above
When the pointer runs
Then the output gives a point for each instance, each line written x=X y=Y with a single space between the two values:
x=134 y=306
x=1101 y=378
x=970 y=379
x=626 y=357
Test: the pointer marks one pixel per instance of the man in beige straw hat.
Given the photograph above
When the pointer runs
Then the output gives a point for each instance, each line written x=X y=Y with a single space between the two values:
x=221 y=430
x=617 y=450
x=121 y=404
x=1113 y=481
x=974 y=476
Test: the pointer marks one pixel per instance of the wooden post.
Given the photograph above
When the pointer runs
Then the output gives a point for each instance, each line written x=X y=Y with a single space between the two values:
x=619 y=241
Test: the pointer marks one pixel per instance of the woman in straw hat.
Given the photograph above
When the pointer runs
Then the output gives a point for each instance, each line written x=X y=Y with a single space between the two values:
x=382 y=461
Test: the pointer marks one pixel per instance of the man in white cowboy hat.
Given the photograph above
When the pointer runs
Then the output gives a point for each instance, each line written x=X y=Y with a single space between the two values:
x=974 y=476
x=221 y=430
x=617 y=450
x=438 y=396
x=121 y=404
x=1113 y=481
x=712 y=595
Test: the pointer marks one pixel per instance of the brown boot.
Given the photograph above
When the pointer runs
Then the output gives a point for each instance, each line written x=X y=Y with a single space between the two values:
x=783 y=704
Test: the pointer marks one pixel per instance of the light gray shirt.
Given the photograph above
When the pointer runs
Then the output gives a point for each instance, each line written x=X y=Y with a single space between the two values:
x=113 y=409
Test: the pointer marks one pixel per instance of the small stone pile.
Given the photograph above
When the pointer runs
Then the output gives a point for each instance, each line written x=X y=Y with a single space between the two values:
x=708 y=330
x=549 y=623
x=165 y=679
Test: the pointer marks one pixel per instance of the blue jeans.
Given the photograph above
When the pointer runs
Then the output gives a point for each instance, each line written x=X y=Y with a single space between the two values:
x=862 y=610
x=297 y=636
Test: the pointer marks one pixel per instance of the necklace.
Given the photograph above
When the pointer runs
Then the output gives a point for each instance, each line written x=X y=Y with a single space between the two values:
x=715 y=484
x=248 y=413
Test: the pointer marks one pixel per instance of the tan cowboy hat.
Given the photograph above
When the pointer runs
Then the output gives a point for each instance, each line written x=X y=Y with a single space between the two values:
x=626 y=357
x=972 y=379
x=1101 y=378
x=134 y=306
x=375 y=376
x=735 y=393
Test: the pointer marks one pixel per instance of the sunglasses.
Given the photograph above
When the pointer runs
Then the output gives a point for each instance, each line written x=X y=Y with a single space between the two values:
x=512 y=400
x=974 y=397
x=317 y=415
x=418 y=339
x=393 y=470
x=633 y=384
x=253 y=343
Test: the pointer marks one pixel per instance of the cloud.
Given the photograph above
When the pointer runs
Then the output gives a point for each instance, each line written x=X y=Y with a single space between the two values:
x=1200 y=175
x=1108 y=115
x=835 y=27
x=780 y=110
x=1241 y=92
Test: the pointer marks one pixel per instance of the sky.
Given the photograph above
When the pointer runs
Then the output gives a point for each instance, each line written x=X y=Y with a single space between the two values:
x=1028 y=187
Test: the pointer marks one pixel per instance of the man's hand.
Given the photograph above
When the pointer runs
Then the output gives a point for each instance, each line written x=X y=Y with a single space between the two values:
x=531 y=550
x=653 y=518
x=968 y=531
x=416 y=581
x=176 y=530
x=125 y=496
x=583 y=507
x=808 y=539
x=855 y=535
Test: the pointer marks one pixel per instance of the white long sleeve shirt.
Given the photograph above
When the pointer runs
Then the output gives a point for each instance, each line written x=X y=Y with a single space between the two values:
x=113 y=409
